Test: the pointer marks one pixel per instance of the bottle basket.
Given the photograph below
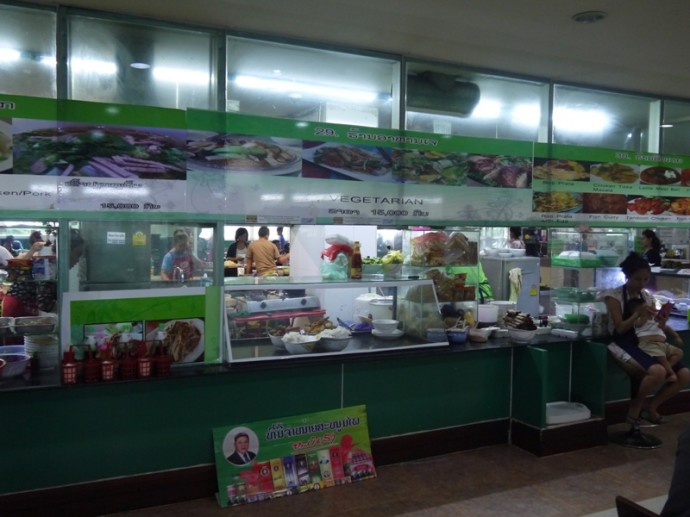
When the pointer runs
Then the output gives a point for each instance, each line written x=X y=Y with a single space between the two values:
x=163 y=362
x=128 y=367
x=128 y=363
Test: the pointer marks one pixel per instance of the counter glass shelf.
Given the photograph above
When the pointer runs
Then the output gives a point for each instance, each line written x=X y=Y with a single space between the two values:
x=256 y=307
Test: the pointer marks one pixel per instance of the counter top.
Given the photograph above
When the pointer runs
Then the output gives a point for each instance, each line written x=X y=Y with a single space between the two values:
x=252 y=359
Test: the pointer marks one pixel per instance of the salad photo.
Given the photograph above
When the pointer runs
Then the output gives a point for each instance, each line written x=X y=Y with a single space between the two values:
x=241 y=153
x=86 y=150
x=5 y=145
x=429 y=167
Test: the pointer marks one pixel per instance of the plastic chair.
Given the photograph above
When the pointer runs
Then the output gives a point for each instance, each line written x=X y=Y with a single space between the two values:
x=627 y=508
x=633 y=437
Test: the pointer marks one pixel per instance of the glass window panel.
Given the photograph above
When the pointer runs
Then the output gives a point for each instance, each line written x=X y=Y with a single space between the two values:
x=288 y=81
x=131 y=63
x=113 y=255
x=603 y=119
x=451 y=100
x=27 y=52
x=676 y=137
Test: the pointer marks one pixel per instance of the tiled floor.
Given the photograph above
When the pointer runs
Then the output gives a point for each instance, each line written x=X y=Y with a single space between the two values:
x=493 y=481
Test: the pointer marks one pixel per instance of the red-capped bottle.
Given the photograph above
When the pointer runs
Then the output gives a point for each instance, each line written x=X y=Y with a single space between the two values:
x=69 y=368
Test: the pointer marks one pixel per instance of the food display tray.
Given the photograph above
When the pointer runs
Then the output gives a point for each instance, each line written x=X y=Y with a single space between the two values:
x=34 y=325
x=574 y=262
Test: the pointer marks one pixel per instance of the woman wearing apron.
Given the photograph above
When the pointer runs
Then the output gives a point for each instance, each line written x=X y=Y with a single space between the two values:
x=622 y=327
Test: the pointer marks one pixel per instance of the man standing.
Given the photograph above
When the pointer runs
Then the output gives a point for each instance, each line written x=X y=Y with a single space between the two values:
x=264 y=255
x=281 y=239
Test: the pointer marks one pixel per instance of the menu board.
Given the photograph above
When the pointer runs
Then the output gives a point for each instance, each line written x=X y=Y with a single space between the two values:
x=107 y=158
x=607 y=185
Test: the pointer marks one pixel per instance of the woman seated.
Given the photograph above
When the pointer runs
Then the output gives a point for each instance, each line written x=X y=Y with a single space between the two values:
x=654 y=386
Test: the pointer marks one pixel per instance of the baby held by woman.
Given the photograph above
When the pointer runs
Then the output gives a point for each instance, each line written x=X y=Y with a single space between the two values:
x=652 y=337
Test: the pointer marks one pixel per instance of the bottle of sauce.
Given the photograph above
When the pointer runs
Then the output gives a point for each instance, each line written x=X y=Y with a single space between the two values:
x=356 y=267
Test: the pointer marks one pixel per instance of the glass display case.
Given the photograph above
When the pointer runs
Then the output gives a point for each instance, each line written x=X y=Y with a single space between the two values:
x=450 y=258
x=591 y=249
x=277 y=318
x=582 y=263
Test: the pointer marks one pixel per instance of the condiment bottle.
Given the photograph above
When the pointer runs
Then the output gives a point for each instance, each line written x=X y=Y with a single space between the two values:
x=108 y=364
x=143 y=361
x=128 y=362
x=69 y=368
x=92 y=367
x=356 y=263
x=163 y=358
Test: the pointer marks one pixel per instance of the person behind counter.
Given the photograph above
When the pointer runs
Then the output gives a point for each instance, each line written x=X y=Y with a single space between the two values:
x=515 y=241
x=8 y=244
x=179 y=263
x=237 y=251
x=652 y=247
x=622 y=328
x=281 y=239
x=264 y=255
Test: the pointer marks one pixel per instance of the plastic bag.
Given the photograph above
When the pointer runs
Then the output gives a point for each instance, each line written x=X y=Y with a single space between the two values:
x=337 y=269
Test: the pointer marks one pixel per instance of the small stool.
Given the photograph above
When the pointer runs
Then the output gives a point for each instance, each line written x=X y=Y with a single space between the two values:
x=633 y=437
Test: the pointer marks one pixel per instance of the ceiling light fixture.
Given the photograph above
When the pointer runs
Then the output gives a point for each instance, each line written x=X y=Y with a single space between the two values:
x=666 y=125
x=589 y=16
x=140 y=66
x=315 y=90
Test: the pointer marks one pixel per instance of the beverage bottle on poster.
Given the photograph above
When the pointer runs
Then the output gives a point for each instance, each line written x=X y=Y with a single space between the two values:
x=356 y=267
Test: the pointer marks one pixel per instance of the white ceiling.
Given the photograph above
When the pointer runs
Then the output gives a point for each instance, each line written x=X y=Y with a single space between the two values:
x=640 y=46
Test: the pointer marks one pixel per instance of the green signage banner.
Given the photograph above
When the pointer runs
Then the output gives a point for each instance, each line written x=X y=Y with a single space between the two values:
x=108 y=158
x=290 y=455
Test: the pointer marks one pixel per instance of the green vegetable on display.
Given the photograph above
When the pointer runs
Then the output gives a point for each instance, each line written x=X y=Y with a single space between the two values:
x=393 y=257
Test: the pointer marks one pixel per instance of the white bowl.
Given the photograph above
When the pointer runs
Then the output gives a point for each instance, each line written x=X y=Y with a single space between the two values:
x=384 y=326
x=305 y=347
x=490 y=252
x=522 y=336
x=333 y=344
x=277 y=341
x=505 y=254
x=518 y=252
x=296 y=343
x=16 y=364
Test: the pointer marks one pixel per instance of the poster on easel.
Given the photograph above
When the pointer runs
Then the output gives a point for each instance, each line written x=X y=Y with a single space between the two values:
x=286 y=456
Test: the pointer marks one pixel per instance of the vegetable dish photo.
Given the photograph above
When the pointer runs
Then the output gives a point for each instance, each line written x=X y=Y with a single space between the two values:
x=241 y=153
x=99 y=151
x=431 y=167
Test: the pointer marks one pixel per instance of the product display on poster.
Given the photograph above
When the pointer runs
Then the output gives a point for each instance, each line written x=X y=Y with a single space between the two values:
x=285 y=456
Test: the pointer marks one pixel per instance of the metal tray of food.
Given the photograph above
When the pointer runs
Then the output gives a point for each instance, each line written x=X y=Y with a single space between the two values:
x=34 y=325
x=6 y=326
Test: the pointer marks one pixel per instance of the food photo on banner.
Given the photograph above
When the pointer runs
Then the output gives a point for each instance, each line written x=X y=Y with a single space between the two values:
x=286 y=456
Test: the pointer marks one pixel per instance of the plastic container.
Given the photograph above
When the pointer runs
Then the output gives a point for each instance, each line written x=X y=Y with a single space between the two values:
x=16 y=364
x=457 y=336
x=565 y=412
x=487 y=313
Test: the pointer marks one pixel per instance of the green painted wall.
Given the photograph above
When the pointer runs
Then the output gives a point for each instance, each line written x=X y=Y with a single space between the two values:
x=58 y=436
